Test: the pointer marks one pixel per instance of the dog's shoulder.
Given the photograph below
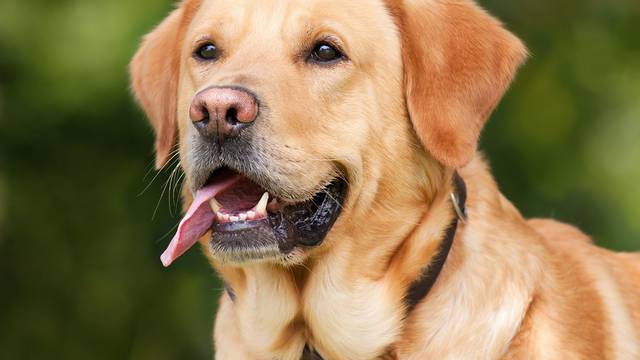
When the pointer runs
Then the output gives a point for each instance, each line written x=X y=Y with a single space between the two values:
x=557 y=231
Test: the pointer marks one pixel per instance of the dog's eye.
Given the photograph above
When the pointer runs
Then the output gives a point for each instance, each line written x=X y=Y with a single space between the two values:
x=325 y=53
x=207 y=51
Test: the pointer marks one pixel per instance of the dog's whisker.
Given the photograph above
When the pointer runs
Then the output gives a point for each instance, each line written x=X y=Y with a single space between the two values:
x=160 y=171
x=152 y=166
x=167 y=234
x=178 y=186
x=168 y=181
x=171 y=180
x=155 y=211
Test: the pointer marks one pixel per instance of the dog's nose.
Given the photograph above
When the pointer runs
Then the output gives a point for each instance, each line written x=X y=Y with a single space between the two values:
x=223 y=111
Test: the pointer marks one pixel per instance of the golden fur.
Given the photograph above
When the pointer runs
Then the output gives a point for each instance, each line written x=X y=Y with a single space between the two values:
x=396 y=119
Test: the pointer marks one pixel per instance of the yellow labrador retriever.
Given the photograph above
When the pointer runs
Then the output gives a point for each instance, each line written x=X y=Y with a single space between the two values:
x=329 y=148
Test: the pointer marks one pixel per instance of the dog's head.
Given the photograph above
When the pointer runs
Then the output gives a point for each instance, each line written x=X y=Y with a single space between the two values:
x=289 y=115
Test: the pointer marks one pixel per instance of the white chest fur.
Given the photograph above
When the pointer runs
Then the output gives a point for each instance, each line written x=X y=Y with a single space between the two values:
x=350 y=320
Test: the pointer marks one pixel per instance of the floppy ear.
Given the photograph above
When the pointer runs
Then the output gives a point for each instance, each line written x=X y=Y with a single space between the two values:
x=458 y=62
x=154 y=79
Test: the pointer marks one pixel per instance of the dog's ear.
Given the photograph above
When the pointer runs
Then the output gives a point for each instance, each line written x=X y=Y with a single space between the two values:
x=458 y=62
x=154 y=79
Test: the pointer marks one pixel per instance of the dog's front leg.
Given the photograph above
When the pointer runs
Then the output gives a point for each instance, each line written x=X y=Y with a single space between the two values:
x=262 y=320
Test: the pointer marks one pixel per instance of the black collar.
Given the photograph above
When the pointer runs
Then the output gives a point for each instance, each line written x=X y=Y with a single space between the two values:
x=421 y=286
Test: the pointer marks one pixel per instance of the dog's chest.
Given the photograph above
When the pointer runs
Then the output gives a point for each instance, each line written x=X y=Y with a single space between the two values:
x=358 y=322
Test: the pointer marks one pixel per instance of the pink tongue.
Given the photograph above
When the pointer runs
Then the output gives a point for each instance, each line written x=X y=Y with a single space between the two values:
x=196 y=222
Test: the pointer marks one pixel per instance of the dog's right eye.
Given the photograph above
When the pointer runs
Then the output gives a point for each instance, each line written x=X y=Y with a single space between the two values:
x=206 y=52
x=325 y=53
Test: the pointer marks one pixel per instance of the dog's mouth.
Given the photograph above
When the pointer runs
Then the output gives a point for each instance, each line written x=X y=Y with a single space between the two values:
x=247 y=223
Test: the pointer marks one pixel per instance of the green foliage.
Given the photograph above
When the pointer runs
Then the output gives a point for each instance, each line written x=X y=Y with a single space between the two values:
x=79 y=246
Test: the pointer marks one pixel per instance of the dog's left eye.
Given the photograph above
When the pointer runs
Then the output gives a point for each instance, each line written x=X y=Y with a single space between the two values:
x=207 y=52
x=325 y=53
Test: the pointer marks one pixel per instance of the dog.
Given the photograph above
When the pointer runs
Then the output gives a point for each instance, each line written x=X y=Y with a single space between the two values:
x=334 y=182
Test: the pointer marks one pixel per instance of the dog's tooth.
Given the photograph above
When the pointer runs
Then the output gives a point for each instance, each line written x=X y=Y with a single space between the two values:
x=243 y=217
x=261 y=208
x=225 y=217
x=251 y=215
x=215 y=205
x=234 y=218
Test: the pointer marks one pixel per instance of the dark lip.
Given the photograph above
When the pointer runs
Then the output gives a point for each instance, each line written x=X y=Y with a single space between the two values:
x=303 y=224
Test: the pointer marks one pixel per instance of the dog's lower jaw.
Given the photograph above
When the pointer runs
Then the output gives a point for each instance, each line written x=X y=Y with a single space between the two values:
x=258 y=255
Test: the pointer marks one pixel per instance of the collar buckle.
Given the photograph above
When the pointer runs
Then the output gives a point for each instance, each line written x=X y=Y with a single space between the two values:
x=461 y=213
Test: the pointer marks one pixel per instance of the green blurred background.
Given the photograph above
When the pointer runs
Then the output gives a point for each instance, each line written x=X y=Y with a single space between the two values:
x=79 y=271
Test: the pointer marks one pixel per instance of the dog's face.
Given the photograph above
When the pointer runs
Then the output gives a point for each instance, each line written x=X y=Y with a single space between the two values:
x=311 y=102
x=318 y=73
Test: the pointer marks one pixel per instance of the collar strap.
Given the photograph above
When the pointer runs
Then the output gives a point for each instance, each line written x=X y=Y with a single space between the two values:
x=310 y=354
x=421 y=287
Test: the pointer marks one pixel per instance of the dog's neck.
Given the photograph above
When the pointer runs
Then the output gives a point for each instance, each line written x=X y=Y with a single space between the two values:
x=384 y=244
x=424 y=282
x=388 y=213
x=381 y=249
x=380 y=253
